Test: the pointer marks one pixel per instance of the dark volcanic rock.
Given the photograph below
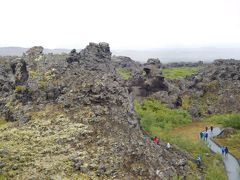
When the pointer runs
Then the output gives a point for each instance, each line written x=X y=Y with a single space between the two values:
x=216 y=86
x=79 y=109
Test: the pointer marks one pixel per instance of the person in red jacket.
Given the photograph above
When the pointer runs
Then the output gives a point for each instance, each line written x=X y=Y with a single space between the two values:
x=155 y=140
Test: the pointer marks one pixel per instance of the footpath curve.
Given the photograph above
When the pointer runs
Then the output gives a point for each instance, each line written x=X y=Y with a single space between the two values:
x=230 y=162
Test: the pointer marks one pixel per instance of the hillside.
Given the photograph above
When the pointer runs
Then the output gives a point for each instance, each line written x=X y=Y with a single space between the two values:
x=71 y=116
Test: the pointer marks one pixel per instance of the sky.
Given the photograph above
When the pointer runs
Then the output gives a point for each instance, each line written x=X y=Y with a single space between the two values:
x=124 y=24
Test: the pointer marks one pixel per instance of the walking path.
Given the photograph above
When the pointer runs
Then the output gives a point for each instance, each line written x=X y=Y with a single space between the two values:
x=231 y=164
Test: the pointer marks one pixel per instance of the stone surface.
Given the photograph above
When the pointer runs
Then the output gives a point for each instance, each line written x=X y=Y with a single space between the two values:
x=75 y=116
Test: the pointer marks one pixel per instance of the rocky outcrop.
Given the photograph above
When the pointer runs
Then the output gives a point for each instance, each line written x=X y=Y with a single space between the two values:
x=126 y=62
x=216 y=86
x=154 y=62
x=227 y=132
x=34 y=53
x=79 y=119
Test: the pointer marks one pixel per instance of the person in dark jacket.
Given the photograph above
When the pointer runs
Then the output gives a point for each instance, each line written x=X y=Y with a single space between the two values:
x=206 y=136
x=226 y=151
x=206 y=128
x=211 y=129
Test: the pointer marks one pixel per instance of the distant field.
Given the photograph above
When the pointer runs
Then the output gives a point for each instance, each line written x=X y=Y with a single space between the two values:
x=181 y=72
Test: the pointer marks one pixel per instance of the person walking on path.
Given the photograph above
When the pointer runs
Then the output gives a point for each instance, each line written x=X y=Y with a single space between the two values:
x=206 y=136
x=206 y=128
x=226 y=151
x=223 y=150
x=211 y=129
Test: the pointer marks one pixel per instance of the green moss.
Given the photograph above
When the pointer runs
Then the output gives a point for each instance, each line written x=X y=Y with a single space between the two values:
x=2 y=121
x=212 y=86
x=124 y=73
x=181 y=72
x=33 y=74
x=42 y=84
x=36 y=145
x=20 y=88
x=185 y=102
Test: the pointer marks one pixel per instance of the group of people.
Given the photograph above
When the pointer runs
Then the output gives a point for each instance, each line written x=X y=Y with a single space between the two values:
x=224 y=150
x=204 y=134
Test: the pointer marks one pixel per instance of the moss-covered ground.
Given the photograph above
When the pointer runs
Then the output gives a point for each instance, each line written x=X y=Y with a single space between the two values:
x=39 y=149
x=124 y=73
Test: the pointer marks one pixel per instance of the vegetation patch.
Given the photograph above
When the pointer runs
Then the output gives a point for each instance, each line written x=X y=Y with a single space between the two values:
x=20 y=88
x=176 y=127
x=180 y=72
x=185 y=102
x=227 y=120
x=186 y=137
x=40 y=148
x=2 y=121
x=124 y=73
x=155 y=114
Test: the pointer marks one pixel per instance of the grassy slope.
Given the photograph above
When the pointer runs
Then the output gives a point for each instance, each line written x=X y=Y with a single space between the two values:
x=175 y=126
x=174 y=73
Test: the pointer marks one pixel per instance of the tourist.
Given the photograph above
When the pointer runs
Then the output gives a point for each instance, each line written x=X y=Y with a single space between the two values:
x=199 y=159
x=206 y=128
x=223 y=150
x=155 y=140
x=168 y=146
x=211 y=129
x=226 y=151
x=206 y=136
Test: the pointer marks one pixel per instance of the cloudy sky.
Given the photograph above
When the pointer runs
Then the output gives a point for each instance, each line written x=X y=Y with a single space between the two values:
x=125 y=24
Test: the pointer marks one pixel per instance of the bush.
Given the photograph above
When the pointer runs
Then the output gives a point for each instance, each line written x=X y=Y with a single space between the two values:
x=227 y=120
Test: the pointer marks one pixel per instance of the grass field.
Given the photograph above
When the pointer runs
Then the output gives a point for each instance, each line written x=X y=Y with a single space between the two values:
x=181 y=72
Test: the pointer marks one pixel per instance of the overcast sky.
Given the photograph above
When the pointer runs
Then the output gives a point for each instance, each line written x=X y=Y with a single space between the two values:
x=125 y=24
